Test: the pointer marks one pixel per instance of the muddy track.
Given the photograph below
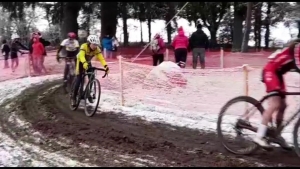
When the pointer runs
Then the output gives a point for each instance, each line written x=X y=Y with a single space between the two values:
x=113 y=139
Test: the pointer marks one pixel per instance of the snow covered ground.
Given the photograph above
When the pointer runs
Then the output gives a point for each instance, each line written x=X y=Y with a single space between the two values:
x=17 y=153
x=12 y=153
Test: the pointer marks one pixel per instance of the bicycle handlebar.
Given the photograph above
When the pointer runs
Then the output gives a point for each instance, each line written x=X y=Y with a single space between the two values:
x=64 y=57
x=101 y=69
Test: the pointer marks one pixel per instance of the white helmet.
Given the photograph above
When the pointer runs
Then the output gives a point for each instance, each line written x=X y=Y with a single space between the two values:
x=93 y=39
x=15 y=36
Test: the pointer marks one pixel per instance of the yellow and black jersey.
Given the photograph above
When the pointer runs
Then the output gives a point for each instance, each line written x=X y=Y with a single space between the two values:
x=86 y=54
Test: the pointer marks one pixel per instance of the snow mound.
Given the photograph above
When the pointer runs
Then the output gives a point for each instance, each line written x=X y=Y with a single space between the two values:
x=166 y=75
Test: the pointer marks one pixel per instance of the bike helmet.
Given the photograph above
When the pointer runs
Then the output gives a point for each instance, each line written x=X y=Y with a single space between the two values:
x=72 y=35
x=93 y=39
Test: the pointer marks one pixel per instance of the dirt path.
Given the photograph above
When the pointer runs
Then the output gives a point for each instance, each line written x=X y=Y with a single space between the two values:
x=112 y=139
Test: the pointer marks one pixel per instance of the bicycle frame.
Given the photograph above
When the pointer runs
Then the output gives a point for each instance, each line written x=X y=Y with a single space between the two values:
x=91 y=77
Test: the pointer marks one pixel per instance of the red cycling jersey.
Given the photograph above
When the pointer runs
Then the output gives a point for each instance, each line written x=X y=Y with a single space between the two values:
x=278 y=65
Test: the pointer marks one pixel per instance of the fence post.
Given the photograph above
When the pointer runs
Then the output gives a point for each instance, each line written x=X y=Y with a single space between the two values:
x=246 y=88
x=121 y=80
x=167 y=55
x=222 y=58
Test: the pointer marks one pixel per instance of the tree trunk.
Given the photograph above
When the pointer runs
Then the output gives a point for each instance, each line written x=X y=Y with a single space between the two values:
x=109 y=12
x=69 y=24
x=238 y=28
x=169 y=16
x=298 y=24
x=149 y=28
x=125 y=26
x=247 y=28
x=169 y=33
x=213 y=38
x=141 y=25
x=267 y=24
x=258 y=25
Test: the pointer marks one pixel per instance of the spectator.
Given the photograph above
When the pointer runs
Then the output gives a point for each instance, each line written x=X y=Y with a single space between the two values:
x=5 y=49
x=15 y=48
x=198 y=44
x=38 y=51
x=44 y=43
x=157 y=46
x=115 y=44
x=107 y=44
x=180 y=44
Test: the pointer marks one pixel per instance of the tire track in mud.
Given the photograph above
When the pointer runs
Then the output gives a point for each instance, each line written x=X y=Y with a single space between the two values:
x=113 y=139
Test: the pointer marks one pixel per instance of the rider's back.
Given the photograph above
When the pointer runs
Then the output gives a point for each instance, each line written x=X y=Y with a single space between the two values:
x=283 y=61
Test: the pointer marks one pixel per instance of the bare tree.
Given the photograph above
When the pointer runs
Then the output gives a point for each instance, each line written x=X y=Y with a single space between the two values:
x=247 y=28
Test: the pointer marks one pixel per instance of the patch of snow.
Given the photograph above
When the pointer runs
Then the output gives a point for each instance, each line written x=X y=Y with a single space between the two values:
x=18 y=153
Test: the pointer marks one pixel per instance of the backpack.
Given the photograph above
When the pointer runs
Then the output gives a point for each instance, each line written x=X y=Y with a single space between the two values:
x=154 y=46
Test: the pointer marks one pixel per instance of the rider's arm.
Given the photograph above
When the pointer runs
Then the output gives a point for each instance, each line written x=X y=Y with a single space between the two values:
x=297 y=57
x=81 y=54
x=62 y=45
x=101 y=58
x=20 y=44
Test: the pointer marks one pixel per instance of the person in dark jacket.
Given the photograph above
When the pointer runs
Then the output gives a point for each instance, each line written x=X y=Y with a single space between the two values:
x=198 y=44
x=5 y=49
x=15 y=48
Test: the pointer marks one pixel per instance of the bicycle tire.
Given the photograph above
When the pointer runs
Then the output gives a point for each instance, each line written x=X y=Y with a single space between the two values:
x=79 y=94
x=98 y=95
x=295 y=137
x=68 y=87
x=247 y=99
x=70 y=79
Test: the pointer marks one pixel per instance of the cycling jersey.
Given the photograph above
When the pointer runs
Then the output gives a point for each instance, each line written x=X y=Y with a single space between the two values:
x=86 y=54
x=71 y=45
x=279 y=64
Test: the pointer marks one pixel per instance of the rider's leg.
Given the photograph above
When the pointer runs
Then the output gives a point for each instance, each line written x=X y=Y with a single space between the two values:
x=274 y=105
x=273 y=84
x=78 y=79
x=66 y=71
x=280 y=113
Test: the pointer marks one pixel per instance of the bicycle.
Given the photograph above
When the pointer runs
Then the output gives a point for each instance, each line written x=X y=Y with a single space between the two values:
x=87 y=94
x=70 y=66
x=244 y=124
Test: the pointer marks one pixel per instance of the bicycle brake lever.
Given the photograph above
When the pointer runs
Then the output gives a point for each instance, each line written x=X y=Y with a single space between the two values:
x=106 y=74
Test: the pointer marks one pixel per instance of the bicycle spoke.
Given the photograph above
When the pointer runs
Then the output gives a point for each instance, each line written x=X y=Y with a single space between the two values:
x=92 y=97
x=235 y=127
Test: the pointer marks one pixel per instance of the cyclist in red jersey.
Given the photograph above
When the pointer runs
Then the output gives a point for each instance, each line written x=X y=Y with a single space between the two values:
x=279 y=64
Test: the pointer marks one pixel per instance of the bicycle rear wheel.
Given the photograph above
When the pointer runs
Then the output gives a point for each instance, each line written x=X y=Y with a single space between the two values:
x=70 y=78
x=68 y=87
x=228 y=141
x=92 y=97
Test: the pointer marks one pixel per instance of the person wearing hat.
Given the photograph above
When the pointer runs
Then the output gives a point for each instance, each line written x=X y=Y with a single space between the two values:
x=198 y=44
x=15 y=48
x=5 y=49
x=180 y=44
x=158 y=49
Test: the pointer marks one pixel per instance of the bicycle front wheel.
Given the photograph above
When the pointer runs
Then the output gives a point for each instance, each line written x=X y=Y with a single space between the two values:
x=92 y=97
x=236 y=141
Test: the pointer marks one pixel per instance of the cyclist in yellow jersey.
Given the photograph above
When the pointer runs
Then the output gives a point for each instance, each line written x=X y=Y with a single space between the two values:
x=86 y=53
